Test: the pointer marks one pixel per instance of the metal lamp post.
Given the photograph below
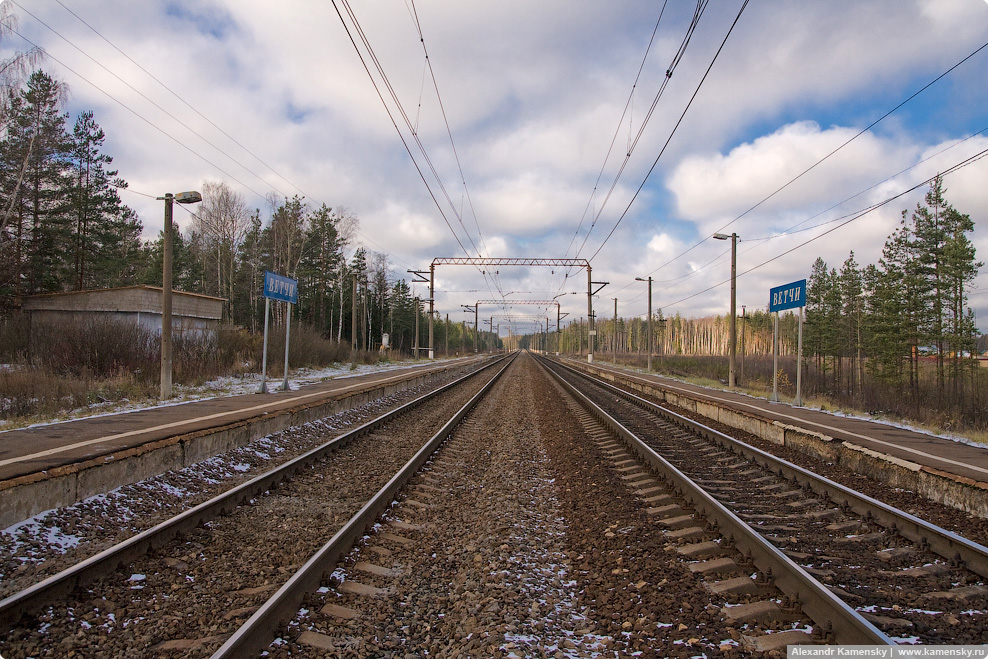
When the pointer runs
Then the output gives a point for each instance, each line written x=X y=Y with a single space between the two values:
x=166 y=289
x=649 y=280
x=731 y=382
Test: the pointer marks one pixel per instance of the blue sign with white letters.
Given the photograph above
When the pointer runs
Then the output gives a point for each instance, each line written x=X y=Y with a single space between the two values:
x=787 y=296
x=281 y=288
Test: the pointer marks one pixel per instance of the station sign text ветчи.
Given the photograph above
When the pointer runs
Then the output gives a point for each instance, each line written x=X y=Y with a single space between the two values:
x=278 y=287
x=787 y=296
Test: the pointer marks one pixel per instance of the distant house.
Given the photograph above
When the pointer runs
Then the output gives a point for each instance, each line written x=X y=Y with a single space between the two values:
x=191 y=312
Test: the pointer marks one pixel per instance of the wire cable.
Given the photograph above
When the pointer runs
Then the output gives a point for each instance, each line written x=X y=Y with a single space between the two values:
x=142 y=94
x=814 y=165
x=141 y=117
x=183 y=101
x=673 y=132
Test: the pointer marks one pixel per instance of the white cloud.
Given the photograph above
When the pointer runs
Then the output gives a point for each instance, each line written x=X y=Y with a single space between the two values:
x=710 y=188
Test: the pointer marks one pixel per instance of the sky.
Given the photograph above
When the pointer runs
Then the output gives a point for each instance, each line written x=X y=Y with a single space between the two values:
x=558 y=129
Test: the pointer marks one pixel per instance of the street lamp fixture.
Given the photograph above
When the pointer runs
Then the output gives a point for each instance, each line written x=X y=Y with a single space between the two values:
x=191 y=197
x=731 y=381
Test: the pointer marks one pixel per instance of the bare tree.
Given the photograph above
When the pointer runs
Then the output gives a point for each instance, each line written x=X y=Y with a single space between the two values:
x=221 y=224
x=14 y=70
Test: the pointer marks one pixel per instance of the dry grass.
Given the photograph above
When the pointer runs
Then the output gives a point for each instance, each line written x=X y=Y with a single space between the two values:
x=54 y=368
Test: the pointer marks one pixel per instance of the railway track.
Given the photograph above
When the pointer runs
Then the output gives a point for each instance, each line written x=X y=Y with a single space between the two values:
x=541 y=539
x=159 y=591
x=908 y=579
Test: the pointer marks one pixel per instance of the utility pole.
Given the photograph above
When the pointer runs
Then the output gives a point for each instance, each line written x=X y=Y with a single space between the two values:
x=432 y=308
x=615 y=339
x=731 y=380
x=166 y=304
x=590 y=329
x=744 y=322
x=559 y=331
x=191 y=197
x=353 y=324
x=649 y=337
x=364 y=324
x=431 y=281
x=415 y=350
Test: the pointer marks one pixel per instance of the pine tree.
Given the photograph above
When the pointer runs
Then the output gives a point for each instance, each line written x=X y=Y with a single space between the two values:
x=816 y=288
x=851 y=286
x=106 y=233
x=249 y=276
x=37 y=185
x=944 y=265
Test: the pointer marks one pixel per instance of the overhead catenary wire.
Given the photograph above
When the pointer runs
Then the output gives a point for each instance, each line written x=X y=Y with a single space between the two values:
x=399 y=108
x=691 y=28
x=627 y=105
x=449 y=132
x=372 y=56
x=394 y=122
x=673 y=131
x=633 y=142
x=456 y=156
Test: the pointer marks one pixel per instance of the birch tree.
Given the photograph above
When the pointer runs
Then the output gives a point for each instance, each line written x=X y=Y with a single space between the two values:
x=221 y=224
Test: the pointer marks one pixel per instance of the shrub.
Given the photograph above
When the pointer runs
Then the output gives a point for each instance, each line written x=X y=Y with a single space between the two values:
x=95 y=348
x=307 y=347
x=14 y=339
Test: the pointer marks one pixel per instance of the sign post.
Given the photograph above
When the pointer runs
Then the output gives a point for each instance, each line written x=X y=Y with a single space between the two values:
x=284 y=289
x=787 y=296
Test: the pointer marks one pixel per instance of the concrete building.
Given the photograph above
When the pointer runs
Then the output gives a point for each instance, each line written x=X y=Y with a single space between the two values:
x=191 y=312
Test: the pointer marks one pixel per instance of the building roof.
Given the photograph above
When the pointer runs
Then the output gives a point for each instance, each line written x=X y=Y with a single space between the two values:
x=125 y=299
x=89 y=291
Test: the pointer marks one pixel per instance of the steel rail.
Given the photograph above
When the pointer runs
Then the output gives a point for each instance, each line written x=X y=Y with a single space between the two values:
x=258 y=631
x=826 y=610
x=940 y=541
x=59 y=585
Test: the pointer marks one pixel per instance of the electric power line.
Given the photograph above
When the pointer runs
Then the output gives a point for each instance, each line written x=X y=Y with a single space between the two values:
x=674 y=129
x=814 y=165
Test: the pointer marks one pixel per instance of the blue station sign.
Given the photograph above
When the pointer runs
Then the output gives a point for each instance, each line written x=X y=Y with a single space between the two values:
x=278 y=287
x=787 y=296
